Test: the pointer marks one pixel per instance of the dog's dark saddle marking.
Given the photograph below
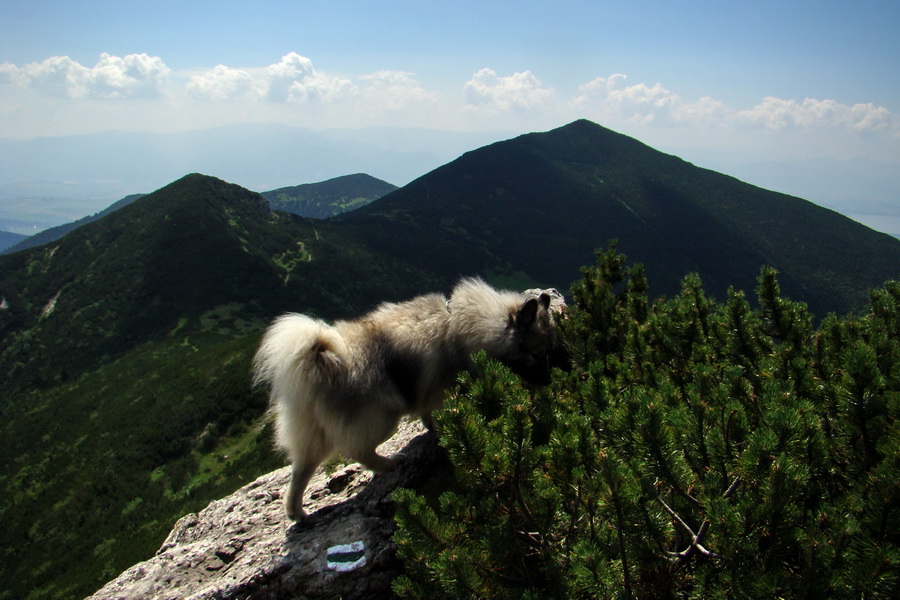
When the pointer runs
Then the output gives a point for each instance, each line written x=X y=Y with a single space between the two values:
x=403 y=369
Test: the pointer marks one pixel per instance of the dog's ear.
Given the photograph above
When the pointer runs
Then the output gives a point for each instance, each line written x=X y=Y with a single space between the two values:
x=545 y=301
x=527 y=314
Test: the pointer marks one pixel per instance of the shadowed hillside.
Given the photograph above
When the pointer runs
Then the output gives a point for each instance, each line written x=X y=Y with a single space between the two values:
x=539 y=204
x=54 y=233
x=163 y=262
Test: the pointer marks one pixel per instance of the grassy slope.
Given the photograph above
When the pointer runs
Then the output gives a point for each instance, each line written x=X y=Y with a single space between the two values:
x=104 y=465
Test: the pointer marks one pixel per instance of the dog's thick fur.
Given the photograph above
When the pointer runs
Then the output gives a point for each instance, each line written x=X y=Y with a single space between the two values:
x=344 y=387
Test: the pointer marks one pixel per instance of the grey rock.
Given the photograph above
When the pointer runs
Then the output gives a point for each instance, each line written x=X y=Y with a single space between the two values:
x=244 y=547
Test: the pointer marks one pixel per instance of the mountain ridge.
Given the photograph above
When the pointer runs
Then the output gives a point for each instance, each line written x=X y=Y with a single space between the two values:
x=9 y=239
x=52 y=234
x=168 y=257
x=315 y=200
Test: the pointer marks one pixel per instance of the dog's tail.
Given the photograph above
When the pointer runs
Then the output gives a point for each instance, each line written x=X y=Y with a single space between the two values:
x=298 y=353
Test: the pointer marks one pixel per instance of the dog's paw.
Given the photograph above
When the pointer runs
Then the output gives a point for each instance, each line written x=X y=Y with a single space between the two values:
x=294 y=513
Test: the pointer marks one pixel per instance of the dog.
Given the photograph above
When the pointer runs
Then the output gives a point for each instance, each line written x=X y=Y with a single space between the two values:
x=343 y=388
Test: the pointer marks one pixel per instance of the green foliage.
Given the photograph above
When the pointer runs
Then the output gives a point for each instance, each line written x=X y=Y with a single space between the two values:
x=101 y=468
x=695 y=450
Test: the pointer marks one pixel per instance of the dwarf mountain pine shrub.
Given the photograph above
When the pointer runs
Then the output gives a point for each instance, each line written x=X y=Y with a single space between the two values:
x=695 y=450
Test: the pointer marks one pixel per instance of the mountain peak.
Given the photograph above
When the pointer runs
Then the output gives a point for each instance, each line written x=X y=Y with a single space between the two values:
x=132 y=274
x=215 y=191
x=542 y=203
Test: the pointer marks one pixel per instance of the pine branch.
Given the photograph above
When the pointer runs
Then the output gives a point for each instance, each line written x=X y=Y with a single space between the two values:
x=732 y=487
x=696 y=538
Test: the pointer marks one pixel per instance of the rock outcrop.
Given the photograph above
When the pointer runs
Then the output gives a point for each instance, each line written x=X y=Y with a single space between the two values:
x=244 y=547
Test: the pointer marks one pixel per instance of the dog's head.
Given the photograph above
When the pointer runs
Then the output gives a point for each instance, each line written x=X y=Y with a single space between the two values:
x=532 y=340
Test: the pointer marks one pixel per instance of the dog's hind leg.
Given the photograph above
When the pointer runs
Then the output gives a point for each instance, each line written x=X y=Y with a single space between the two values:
x=306 y=456
x=301 y=473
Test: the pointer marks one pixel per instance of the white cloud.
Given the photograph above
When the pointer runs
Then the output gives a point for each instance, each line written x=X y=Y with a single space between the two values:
x=37 y=99
x=706 y=112
x=612 y=100
x=777 y=114
x=295 y=80
x=134 y=75
x=519 y=91
x=395 y=90
x=292 y=80
x=57 y=75
x=637 y=103
x=221 y=84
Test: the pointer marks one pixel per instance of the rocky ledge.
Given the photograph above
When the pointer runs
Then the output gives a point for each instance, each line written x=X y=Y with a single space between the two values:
x=244 y=547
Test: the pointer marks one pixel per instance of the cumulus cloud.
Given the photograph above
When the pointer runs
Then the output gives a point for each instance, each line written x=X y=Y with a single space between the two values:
x=392 y=94
x=221 y=83
x=134 y=75
x=777 y=114
x=634 y=103
x=706 y=112
x=394 y=90
x=612 y=98
x=519 y=91
x=295 y=80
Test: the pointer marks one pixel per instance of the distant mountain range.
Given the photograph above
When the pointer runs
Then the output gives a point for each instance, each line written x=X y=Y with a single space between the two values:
x=127 y=342
x=257 y=156
x=52 y=234
x=8 y=240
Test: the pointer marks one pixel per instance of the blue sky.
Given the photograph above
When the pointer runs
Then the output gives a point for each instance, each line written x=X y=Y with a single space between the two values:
x=848 y=51
x=672 y=55
x=753 y=81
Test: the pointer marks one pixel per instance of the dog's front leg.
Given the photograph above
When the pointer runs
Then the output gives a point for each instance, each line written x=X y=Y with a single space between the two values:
x=376 y=462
